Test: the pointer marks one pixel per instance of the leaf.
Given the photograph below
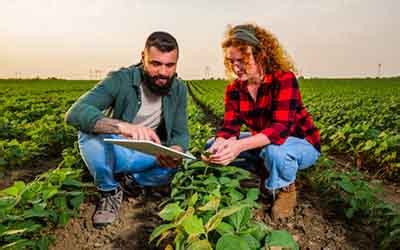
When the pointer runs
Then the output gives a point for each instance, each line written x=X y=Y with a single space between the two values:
x=252 y=194
x=77 y=200
x=235 y=195
x=229 y=242
x=200 y=245
x=7 y=203
x=225 y=180
x=211 y=205
x=15 y=189
x=63 y=218
x=170 y=212
x=347 y=186
x=281 y=238
x=241 y=218
x=36 y=211
x=160 y=230
x=71 y=182
x=14 y=232
x=193 y=200
x=368 y=145
x=179 y=239
x=193 y=225
x=225 y=228
x=18 y=244
x=215 y=220
x=49 y=192
x=258 y=230
x=253 y=243
x=60 y=202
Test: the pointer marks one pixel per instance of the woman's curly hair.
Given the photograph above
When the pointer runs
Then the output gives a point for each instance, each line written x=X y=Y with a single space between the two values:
x=269 y=53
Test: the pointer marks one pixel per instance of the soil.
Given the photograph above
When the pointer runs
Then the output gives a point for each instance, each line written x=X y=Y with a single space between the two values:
x=26 y=173
x=315 y=225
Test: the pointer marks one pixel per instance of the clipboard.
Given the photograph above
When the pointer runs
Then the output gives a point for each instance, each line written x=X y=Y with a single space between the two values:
x=149 y=147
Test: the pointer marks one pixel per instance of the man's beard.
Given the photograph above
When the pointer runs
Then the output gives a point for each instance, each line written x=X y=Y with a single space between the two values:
x=150 y=82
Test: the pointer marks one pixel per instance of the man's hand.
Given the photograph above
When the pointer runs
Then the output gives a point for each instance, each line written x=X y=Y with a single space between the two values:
x=137 y=132
x=168 y=161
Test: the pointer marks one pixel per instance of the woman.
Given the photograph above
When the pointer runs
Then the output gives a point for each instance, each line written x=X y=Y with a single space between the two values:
x=265 y=96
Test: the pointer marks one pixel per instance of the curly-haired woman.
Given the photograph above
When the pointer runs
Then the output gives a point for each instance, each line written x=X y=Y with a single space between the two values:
x=264 y=96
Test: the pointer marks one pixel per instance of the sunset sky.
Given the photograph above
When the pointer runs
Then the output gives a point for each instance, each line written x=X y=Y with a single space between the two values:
x=71 y=38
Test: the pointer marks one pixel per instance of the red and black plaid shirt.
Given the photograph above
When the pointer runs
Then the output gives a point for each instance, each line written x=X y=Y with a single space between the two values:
x=278 y=111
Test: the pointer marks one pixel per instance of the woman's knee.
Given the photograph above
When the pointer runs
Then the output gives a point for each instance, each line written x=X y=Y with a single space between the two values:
x=277 y=159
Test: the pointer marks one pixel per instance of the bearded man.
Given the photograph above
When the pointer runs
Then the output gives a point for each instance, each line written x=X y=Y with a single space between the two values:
x=145 y=101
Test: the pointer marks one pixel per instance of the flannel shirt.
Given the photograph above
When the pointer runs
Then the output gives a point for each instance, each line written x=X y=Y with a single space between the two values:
x=278 y=111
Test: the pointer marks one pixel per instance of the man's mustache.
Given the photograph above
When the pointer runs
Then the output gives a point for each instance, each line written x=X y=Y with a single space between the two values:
x=160 y=77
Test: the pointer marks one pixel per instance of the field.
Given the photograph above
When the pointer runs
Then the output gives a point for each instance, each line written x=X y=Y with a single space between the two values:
x=349 y=200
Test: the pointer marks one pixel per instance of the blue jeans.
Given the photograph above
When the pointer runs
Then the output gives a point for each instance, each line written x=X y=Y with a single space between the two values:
x=104 y=160
x=281 y=161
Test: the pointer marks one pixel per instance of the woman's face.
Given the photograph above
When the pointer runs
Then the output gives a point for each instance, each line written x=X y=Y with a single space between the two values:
x=245 y=71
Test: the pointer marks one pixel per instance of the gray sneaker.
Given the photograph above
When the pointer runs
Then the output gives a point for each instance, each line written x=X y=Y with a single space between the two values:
x=108 y=207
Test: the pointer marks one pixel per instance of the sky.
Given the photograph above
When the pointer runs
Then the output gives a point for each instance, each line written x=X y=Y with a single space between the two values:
x=74 y=39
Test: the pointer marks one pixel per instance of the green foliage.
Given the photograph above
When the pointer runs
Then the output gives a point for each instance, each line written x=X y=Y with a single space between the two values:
x=28 y=209
x=359 y=199
x=202 y=213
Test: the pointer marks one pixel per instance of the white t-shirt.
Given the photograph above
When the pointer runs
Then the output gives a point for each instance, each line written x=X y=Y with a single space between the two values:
x=149 y=114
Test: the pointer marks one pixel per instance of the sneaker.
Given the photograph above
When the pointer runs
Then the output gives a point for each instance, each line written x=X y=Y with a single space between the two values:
x=130 y=187
x=108 y=208
x=285 y=203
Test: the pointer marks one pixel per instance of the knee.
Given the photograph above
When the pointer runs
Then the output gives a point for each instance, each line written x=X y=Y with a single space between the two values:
x=272 y=153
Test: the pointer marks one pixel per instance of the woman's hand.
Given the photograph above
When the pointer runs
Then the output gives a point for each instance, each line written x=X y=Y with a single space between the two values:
x=223 y=151
x=217 y=146
x=227 y=154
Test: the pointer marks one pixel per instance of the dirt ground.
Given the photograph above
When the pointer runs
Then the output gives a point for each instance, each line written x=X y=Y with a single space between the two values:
x=315 y=225
x=27 y=173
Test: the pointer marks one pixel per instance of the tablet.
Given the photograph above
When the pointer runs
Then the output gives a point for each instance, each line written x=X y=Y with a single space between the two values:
x=149 y=147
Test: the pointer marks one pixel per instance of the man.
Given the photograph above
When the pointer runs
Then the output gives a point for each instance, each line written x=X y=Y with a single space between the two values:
x=145 y=101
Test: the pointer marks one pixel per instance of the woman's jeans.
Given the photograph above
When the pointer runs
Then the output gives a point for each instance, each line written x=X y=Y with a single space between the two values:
x=104 y=160
x=281 y=161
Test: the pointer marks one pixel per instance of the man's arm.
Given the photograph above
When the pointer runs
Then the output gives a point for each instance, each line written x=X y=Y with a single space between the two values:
x=87 y=110
x=107 y=126
x=136 y=132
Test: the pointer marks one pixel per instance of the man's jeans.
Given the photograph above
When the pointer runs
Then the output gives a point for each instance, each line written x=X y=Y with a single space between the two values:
x=281 y=161
x=104 y=160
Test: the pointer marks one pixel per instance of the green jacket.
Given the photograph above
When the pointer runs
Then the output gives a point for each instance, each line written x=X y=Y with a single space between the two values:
x=118 y=95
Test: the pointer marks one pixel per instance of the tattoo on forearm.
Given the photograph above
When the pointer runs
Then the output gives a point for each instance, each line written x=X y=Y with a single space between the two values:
x=107 y=126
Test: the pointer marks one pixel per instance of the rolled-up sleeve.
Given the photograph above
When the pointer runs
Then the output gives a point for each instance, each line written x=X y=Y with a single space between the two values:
x=232 y=121
x=87 y=110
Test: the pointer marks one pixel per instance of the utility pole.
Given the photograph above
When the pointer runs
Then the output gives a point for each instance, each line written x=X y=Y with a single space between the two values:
x=379 y=70
x=207 y=72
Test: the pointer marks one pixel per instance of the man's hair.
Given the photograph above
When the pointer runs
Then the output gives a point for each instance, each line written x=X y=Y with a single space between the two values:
x=163 y=41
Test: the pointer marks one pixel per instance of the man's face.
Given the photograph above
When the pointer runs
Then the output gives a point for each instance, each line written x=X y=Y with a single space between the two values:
x=161 y=66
